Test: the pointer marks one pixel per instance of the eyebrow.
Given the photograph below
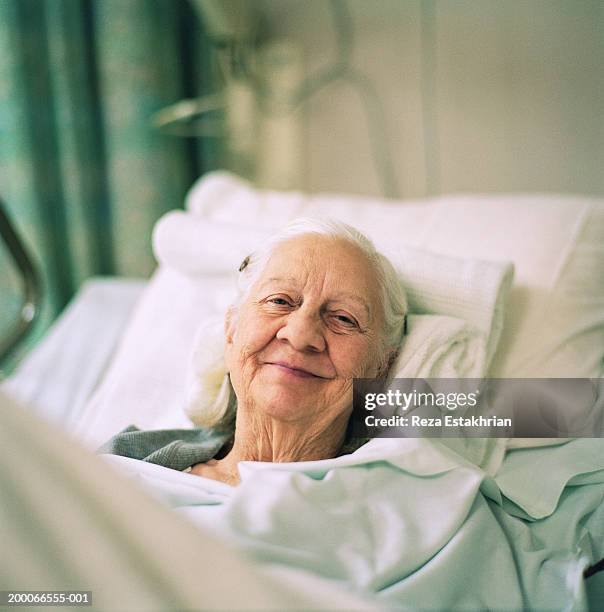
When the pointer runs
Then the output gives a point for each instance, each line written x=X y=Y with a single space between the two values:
x=277 y=279
x=355 y=298
x=289 y=279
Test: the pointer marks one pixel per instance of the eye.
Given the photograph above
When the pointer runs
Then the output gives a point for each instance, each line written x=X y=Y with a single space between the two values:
x=344 y=320
x=278 y=301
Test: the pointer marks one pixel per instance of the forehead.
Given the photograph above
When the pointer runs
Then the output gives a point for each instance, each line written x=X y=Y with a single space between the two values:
x=324 y=262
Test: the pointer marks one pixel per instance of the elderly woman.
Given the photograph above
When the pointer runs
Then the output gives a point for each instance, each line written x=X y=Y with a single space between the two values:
x=318 y=307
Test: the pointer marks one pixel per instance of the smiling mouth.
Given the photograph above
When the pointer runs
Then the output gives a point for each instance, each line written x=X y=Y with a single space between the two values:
x=298 y=372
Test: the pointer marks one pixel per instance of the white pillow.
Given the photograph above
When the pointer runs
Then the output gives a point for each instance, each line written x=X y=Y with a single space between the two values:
x=146 y=382
x=554 y=325
x=468 y=289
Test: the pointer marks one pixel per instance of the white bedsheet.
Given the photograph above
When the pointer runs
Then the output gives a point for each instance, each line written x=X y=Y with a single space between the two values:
x=58 y=377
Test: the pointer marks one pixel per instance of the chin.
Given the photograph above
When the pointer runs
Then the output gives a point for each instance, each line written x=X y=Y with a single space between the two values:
x=285 y=405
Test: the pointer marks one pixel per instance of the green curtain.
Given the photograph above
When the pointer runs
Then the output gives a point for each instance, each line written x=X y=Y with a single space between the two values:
x=82 y=171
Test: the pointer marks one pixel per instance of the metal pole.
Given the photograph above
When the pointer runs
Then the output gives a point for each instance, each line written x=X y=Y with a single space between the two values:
x=31 y=287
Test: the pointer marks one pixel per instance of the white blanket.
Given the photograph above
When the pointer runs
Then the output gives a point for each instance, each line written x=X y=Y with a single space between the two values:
x=409 y=521
x=399 y=523
x=68 y=521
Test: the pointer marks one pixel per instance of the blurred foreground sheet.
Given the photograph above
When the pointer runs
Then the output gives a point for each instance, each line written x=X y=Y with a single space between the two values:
x=412 y=523
x=68 y=522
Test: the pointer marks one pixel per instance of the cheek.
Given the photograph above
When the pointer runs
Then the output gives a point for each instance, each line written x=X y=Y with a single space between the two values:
x=252 y=335
x=259 y=332
x=355 y=359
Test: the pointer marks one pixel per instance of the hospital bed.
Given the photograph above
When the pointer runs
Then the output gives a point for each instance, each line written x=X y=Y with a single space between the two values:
x=417 y=525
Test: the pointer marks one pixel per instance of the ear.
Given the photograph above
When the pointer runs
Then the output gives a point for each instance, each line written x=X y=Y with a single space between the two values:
x=230 y=324
x=230 y=327
x=388 y=363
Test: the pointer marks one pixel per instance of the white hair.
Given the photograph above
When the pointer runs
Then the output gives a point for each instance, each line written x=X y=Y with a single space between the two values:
x=393 y=298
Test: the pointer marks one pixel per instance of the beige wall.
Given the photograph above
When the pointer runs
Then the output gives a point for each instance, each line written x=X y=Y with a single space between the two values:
x=479 y=95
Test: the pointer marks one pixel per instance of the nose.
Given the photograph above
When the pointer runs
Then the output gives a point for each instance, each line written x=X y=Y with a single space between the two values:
x=303 y=331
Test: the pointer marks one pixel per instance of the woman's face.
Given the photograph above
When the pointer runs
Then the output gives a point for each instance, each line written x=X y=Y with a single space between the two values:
x=311 y=323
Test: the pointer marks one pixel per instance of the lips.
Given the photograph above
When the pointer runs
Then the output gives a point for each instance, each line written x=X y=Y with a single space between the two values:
x=294 y=370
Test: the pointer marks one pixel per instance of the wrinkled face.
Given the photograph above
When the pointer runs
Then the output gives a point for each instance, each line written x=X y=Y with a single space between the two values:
x=311 y=323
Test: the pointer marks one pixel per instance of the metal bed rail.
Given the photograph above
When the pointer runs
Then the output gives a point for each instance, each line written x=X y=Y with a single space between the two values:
x=31 y=288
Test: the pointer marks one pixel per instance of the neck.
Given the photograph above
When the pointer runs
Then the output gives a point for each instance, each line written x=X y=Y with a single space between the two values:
x=261 y=438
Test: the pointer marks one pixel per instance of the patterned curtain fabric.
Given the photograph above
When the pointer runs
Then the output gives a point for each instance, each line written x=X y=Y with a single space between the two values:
x=83 y=173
